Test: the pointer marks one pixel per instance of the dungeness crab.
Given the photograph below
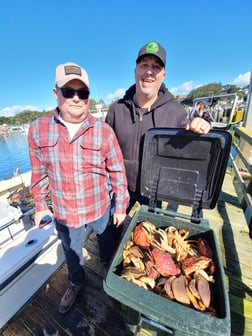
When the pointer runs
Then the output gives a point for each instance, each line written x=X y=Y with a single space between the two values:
x=166 y=261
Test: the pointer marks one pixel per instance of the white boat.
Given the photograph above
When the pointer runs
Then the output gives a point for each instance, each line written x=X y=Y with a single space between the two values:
x=226 y=110
x=28 y=257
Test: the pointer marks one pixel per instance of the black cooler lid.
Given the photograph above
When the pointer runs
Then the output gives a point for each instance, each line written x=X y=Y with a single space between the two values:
x=184 y=167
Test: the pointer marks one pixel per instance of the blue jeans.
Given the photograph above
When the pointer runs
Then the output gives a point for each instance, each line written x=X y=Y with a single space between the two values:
x=72 y=240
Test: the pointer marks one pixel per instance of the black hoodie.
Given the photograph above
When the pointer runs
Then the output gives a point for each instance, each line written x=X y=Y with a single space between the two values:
x=130 y=126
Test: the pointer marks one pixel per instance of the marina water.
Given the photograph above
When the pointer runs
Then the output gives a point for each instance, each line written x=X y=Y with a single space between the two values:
x=14 y=155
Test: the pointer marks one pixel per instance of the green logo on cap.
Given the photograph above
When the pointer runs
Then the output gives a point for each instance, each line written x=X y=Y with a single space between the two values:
x=152 y=47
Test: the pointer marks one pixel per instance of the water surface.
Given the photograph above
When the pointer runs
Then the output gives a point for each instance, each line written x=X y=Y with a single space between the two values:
x=14 y=154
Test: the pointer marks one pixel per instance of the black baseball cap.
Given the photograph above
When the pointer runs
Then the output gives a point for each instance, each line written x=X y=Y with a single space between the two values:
x=153 y=48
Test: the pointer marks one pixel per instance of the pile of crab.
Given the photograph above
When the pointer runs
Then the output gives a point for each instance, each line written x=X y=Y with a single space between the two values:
x=166 y=261
x=22 y=198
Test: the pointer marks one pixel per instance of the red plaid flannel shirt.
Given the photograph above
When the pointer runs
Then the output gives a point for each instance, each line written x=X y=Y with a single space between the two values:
x=76 y=172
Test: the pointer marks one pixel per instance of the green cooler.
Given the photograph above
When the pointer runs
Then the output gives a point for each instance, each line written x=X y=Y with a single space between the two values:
x=185 y=168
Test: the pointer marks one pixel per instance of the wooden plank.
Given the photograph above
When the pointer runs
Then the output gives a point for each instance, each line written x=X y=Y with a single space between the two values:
x=91 y=314
x=239 y=286
x=231 y=229
x=38 y=321
x=241 y=306
x=15 y=327
x=238 y=324
x=92 y=311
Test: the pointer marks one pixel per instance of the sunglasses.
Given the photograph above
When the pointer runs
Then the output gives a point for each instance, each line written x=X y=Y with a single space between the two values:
x=70 y=93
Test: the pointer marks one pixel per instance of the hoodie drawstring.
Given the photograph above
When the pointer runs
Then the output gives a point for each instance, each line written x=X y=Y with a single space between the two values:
x=153 y=118
x=139 y=112
x=133 y=113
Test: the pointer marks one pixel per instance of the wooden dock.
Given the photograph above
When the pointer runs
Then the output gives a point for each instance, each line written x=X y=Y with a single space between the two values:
x=95 y=313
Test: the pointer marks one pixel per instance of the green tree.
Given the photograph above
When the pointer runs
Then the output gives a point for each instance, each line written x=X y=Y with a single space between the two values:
x=92 y=104
x=211 y=89
x=4 y=120
x=230 y=88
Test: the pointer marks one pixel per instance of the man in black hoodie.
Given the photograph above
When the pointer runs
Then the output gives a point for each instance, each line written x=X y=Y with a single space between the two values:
x=147 y=104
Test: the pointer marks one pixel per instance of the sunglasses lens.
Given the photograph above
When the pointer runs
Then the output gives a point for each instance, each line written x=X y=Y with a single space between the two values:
x=69 y=93
x=82 y=94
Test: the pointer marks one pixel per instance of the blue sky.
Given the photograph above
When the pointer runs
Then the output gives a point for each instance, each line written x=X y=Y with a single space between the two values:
x=206 y=41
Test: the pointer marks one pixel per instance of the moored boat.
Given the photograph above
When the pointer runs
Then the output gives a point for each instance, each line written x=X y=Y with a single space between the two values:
x=28 y=257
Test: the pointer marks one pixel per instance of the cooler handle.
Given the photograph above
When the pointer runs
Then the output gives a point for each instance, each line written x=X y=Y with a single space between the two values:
x=157 y=325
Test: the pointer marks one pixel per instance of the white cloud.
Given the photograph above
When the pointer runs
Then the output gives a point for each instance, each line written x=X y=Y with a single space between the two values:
x=11 y=111
x=50 y=108
x=184 y=88
x=119 y=93
x=242 y=80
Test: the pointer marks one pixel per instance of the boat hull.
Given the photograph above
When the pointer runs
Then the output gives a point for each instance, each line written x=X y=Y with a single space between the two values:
x=26 y=264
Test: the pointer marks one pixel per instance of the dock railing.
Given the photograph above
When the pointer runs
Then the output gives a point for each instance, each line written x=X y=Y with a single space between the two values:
x=241 y=165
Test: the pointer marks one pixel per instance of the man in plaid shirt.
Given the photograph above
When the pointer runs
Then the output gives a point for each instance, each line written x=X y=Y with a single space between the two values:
x=76 y=158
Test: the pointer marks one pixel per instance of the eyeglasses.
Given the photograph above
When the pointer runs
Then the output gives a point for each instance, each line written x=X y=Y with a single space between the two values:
x=70 y=93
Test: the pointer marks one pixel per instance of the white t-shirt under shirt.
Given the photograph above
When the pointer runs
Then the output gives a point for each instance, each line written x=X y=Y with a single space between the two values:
x=72 y=128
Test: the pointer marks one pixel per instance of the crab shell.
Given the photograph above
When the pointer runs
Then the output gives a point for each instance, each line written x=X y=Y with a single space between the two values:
x=179 y=290
x=204 y=248
x=164 y=263
x=193 y=264
x=142 y=234
x=203 y=290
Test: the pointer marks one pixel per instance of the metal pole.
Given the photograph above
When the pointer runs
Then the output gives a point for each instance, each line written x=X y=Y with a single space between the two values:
x=248 y=107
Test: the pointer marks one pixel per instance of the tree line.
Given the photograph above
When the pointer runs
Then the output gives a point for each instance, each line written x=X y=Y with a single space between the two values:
x=27 y=116
x=212 y=89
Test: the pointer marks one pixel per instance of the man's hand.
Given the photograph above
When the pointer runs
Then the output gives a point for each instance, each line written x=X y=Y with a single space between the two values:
x=40 y=214
x=118 y=219
x=198 y=125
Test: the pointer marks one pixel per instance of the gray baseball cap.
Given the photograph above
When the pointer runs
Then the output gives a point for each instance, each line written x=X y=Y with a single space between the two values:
x=153 y=48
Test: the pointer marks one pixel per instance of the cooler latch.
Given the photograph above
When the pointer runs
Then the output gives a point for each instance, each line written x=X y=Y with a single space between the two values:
x=197 y=207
